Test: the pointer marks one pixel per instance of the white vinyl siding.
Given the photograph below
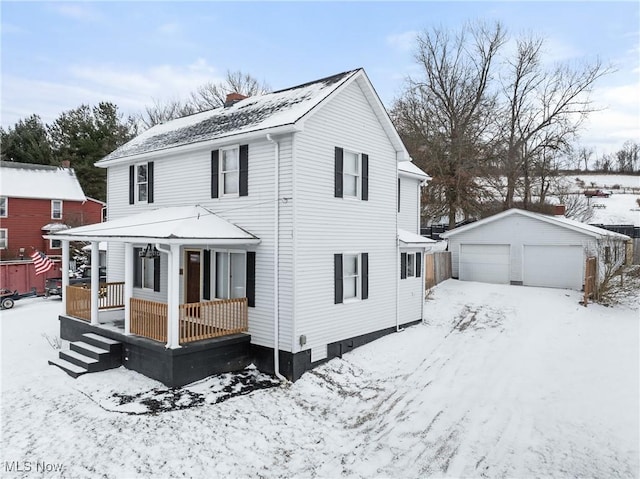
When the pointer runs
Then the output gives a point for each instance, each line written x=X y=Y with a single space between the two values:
x=326 y=224
x=254 y=213
x=409 y=202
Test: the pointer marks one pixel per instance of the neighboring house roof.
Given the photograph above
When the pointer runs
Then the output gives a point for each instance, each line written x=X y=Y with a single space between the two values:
x=282 y=111
x=408 y=238
x=561 y=221
x=26 y=180
x=178 y=224
x=407 y=168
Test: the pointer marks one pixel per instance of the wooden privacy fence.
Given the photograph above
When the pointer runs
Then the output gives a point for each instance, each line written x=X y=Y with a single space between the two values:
x=149 y=319
x=211 y=319
x=437 y=268
x=590 y=279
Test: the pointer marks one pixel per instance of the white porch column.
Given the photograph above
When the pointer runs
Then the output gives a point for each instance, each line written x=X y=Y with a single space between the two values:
x=128 y=285
x=95 y=281
x=65 y=274
x=173 y=298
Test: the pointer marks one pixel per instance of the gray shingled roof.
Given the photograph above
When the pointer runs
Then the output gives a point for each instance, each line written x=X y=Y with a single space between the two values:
x=283 y=107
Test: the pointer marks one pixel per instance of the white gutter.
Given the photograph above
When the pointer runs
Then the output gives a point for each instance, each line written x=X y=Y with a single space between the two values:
x=276 y=254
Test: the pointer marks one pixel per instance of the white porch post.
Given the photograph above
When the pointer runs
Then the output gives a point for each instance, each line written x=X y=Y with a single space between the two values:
x=65 y=274
x=173 y=298
x=95 y=281
x=128 y=285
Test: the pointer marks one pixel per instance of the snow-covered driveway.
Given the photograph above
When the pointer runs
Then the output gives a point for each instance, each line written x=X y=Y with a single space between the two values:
x=503 y=381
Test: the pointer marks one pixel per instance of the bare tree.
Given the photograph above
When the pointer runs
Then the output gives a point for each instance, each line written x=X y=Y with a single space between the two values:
x=445 y=113
x=628 y=157
x=206 y=97
x=543 y=110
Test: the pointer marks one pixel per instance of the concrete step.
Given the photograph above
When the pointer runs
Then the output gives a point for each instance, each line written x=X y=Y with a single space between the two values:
x=103 y=343
x=71 y=369
x=89 y=350
x=81 y=360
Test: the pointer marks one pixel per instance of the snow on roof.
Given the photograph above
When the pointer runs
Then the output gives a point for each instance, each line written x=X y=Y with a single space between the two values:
x=409 y=239
x=280 y=108
x=179 y=224
x=26 y=180
x=557 y=220
x=408 y=168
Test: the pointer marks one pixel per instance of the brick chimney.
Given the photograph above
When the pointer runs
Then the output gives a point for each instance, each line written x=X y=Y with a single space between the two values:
x=65 y=164
x=233 y=98
x=559 y=210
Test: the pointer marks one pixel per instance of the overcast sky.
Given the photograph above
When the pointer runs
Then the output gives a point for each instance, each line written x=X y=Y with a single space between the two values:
x=57 y=56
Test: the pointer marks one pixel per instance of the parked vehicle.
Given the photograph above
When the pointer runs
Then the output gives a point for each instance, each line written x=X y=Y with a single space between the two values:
x=597 y=193
x=53 y=286
x=8 y=297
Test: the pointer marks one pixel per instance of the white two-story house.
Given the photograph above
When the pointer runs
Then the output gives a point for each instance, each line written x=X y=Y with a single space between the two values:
x=280 y=230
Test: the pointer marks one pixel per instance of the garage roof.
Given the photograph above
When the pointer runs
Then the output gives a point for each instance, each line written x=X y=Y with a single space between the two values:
x=561 y=221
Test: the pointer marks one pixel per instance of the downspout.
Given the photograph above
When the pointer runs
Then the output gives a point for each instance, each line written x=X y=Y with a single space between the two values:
x=276 y=255
x=169 y=289
x=397 y=255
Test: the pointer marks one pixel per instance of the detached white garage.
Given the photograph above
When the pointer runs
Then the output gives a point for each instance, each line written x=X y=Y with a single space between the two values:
x=531 y=249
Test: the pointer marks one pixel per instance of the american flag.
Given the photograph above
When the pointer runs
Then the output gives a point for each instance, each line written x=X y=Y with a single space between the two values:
x=42 y=261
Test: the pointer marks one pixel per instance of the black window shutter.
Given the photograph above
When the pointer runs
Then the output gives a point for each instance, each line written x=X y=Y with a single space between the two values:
x=244 y=170
x=214 y=173
x=403 y=265
x=251 y=278
x=418 y=264
x=339 y=162
x=398 y=195
x=137 y=268
x=365 y=177
x=206 y=274
x=156 y=273
x=150 y=182
x=364 y=258
x=337 y=278
x=132 y=184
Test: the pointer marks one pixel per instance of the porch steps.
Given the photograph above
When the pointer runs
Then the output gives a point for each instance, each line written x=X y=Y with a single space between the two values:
x=94 y=353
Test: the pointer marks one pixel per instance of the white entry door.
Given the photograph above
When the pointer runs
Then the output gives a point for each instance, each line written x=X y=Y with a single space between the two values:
x=553 y=266
x=485 y=263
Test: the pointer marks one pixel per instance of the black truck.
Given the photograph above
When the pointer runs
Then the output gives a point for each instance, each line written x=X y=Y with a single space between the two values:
x=53 y=286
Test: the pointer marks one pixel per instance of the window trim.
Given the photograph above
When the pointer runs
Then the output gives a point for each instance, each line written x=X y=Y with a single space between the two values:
x=4 y=214
x=4 y=238
x=52 y=245
x=137 y=183
x=53 y=202
x=223 y=172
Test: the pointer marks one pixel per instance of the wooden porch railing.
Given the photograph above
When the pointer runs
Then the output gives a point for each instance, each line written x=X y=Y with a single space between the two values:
x=149 y=319
x=79 y=302
x=211 y=319
x=111 y=295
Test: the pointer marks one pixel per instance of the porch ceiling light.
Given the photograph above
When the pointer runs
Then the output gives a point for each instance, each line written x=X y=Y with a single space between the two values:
x=149 y=252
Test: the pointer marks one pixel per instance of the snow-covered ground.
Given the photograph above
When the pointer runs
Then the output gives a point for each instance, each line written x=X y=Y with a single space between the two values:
x=503 y=381
x=618 y=209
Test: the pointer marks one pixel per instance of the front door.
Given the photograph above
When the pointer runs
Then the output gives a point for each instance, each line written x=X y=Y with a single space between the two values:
x=193 y=277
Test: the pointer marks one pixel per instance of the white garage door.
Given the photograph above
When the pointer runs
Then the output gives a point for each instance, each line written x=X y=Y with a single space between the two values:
x=486 y=263
x=553 y=266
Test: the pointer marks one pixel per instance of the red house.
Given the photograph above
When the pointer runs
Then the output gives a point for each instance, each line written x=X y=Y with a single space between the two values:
x=36 y=200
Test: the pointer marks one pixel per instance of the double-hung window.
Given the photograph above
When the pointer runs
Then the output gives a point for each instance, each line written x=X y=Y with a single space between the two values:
x=146 y=271
x=231 y=274
x=3 y=207
x=230 y=171
x=142 y=183
x=351 y=277
x=56 y=209
x=3 y=238
x=351 y=174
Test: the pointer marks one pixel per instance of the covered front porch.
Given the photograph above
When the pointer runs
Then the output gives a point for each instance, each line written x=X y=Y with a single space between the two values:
x=176 y=275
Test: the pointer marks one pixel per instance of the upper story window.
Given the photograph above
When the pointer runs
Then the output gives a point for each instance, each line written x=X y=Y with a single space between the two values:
x=351 y=174
x=3 y=238
x=3 y=207
x=56 y=209
x=141 y=183
x=230 y=171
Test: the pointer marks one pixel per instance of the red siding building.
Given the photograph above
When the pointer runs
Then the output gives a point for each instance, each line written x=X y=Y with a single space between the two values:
x=35 y=200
